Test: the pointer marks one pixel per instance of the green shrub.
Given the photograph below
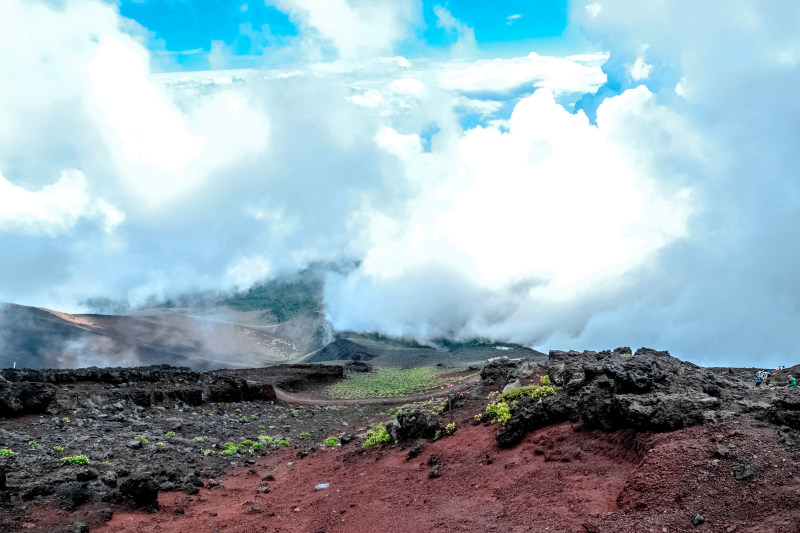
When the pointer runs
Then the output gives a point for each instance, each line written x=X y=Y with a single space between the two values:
x=58 y=448
x=76 y=460
x=305 y=434
x=201 y=438
x=450 y=428
x=33 y=444
x=437 y=435
x=545 y=380
x=281 y=443
x=331 y=441
x=530 y=391
x=377 y=435
x=170 y=433
x=627 y=355
x=141 y=439
x=498 y=412
x=160 y=444
x=6 y=453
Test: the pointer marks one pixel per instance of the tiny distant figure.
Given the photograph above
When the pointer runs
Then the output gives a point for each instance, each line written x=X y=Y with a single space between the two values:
x=730 y=371
x=792 y=381
x=758 y=380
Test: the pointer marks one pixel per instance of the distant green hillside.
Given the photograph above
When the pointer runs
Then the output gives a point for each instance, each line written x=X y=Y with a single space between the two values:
x=284 y=299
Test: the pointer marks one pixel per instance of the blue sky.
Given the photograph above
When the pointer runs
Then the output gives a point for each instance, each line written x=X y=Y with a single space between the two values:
x=186 y=28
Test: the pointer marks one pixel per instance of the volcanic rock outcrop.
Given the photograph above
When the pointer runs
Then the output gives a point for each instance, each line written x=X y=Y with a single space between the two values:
x=648 y=391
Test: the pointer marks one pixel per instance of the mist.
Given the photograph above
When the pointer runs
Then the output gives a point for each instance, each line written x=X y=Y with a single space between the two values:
x=643 y=194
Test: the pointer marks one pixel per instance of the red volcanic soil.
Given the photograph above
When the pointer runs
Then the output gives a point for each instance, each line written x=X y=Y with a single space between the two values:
x=559 y=479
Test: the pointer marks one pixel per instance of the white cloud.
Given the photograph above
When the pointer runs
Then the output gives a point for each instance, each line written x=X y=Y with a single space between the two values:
x=513 y=18
x=577 y=74
x=356 y=28
x=465 y=44
x=55 y=208
x=650 y=227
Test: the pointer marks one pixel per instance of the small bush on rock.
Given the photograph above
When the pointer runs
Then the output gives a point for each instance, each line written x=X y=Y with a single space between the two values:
x=6 y=453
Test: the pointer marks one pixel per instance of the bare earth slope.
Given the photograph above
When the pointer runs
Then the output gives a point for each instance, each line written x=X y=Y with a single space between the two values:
x=35 y=337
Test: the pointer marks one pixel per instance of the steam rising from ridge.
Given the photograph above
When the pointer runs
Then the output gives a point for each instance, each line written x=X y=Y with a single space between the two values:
x=651 y=202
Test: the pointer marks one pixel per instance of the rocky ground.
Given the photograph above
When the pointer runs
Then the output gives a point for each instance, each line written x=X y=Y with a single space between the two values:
x=629 y=442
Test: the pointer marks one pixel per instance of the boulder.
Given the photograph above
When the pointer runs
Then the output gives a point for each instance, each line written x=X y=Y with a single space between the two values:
x=139 y=491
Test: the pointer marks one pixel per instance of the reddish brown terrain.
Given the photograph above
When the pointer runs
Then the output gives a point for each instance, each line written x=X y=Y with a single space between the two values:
x=667 y=447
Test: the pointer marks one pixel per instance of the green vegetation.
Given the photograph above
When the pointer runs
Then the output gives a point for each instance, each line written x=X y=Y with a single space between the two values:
x=284 y=299
x=160 y=444
x=76 y=460
x=377 y=435
x=230 y=448
x=500 y=409
x=205 y=451
x=58 y=448
x=387 y=382
x=450 y=428
x=65 y=419
x=33 y=444
x=6 y=453
x=437 y=435
x=498 y=412
x=305 y=434
x=141 y=439
x=170 y=433
x=331 y=441
x=201 y=438
x=627 y=355
x=545 y=380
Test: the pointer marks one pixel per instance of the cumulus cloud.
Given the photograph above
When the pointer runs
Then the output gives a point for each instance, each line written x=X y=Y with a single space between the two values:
x=662 y=216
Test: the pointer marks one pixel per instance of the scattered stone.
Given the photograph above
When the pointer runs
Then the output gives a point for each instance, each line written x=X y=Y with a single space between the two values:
x=743 y=471
x=264 y=490
x=722 y=451
x=87 y=475
x=322 y=486
x=268 y=477
x=434 y=471
x=698 y=519
x=134 y=444
x=77 y=527
x=255 y=510
x=212 y=513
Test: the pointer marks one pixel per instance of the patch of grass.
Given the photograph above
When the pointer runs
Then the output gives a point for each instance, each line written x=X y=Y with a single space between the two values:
x=58 y=448
x=170 y=433
x=160 y=444
x=201 y=438
x=33 y=444
x=76 y=460
x=627 y=355
x=141 y=439
x=5 y=452
x=388 y=382
x=377 y=435
x=331 y=441
x=305 y=434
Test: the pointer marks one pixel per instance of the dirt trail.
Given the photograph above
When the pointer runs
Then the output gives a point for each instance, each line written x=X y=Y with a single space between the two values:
x=315 y=399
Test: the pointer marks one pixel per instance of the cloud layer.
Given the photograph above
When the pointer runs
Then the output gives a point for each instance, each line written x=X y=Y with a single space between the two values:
x=473 y=198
